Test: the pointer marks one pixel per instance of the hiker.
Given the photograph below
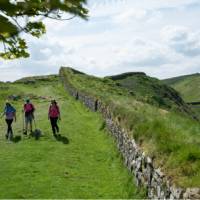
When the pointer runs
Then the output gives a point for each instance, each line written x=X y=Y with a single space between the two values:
x=54 y=115
x=29 y=115
x=10 y=114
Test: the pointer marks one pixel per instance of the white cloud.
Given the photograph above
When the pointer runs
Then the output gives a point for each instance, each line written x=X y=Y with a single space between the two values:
x=46 y=51
x=158 y=37
x=130 y=15
x=182 y=40
x=174 y=33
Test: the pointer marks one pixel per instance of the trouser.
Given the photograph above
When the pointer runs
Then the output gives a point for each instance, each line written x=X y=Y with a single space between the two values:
x=29 y=117
x=9 y=124
x=54 y=124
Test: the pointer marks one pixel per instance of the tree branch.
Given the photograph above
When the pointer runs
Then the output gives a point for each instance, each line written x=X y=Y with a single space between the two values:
x=60 y=19
x=19 y=26
x=3 y=41
x=4 y=46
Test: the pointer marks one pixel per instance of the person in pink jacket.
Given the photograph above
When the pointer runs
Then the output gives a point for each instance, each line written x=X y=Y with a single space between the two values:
x=53 y=116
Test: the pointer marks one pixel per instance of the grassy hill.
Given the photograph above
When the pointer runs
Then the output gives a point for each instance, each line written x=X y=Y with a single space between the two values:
x=152 y=91
x=188 y=86
x=83 y=163
x=169 y=135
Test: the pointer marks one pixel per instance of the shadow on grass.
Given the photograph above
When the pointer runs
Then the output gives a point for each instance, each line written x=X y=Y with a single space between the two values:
x=17 y=139
x=62 y=139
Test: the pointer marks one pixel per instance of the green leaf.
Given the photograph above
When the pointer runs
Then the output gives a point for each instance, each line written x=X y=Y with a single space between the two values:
x=10 y=28
x=16 y=48
x=7 y=29
x=36 y=28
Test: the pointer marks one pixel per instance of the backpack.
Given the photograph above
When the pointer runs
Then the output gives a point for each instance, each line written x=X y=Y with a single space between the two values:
x=54 y=111
x=28 y=108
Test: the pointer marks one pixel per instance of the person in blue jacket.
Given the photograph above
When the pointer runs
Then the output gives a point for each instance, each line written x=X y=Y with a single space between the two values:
x=10 y=115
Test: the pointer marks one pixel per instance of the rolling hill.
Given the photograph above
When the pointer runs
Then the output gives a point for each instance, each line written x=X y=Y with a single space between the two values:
x=152 y=91
x=188 y=86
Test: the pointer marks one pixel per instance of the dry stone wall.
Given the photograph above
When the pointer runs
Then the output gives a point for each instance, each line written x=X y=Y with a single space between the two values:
x=141 y=166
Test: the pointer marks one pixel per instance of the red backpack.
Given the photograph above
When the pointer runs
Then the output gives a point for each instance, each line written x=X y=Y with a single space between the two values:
x=28 y=108
x=54 y=111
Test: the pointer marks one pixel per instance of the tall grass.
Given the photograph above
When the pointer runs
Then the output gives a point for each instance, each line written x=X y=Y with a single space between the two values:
x=188 y=86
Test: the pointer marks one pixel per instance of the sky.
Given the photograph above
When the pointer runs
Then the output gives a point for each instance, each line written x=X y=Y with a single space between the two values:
x=158 y=37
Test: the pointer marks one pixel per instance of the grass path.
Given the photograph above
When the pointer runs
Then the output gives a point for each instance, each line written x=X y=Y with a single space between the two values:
x=89 y=166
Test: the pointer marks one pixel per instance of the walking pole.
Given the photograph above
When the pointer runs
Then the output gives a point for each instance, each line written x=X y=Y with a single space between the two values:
x=22 y=122
x=1 y=126
x=34 y=122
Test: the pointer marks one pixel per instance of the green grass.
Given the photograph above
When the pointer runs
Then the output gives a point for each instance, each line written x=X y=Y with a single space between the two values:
x=171 y=139
x=177 y=146
x=89 y=166
x=136 y=86
x=169 y=136
x=150 y=90
x=188 y=86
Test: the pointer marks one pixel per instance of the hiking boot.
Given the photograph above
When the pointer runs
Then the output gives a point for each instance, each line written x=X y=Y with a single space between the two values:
x=55 y=135
x=6 y=136
x=31 y=134
x=11 y=137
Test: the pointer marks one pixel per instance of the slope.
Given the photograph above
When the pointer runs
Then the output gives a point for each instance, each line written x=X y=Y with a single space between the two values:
x=83 y=163
x=171 y=137
x=152 y=91
x=188 y=86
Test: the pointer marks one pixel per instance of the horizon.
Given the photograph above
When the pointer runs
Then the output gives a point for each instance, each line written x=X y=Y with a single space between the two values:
x=115 y=40
x=57 y=74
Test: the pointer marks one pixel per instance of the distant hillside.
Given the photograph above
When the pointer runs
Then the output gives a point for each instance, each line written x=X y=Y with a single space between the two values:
x=188 y=86
x=151 y=90
x=35 y=79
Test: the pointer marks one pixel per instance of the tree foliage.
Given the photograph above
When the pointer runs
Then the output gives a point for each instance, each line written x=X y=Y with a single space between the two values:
x=26 y=16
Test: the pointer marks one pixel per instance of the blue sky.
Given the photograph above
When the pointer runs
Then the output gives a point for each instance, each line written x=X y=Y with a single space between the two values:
x=159 y=37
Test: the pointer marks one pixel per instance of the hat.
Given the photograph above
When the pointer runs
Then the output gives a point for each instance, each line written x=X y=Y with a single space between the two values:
x=27 y=100
x=8 y=103
x=53 y=101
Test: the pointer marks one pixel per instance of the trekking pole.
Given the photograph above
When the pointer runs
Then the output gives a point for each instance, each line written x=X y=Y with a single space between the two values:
x=34 y=123
x=22 y=121
x=1 y=126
